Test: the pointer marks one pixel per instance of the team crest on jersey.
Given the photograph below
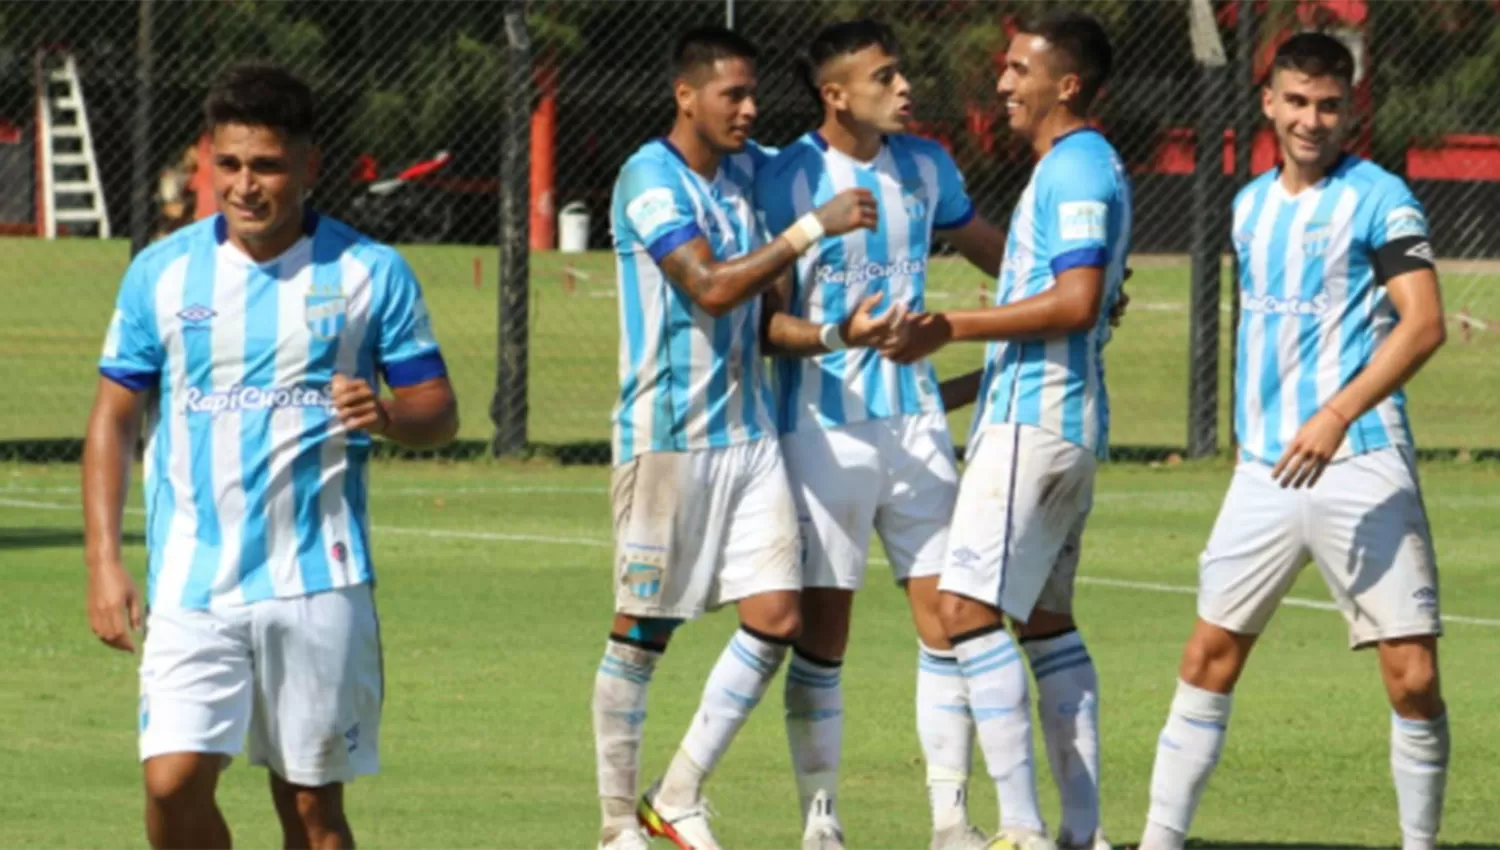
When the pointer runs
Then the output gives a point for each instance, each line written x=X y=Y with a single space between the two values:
x=644 y=580
x=916 y=208
x=325 y=311
x=1316 y=236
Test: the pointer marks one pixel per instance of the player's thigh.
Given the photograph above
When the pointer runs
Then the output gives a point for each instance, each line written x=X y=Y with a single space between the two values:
x=669 y=512
x=836 y=476
x=759 y=544
x=1373 y=545
x=1054 y=605
x=320 y=686
x=919 y=492
x=1254 y=553
x=1020 y=496
x=196 y=683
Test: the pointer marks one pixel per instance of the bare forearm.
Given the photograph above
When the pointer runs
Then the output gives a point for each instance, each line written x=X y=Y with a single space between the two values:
x=1394 y=363
x=107 y=454
x=789 y=336
x=421 y=423
x=1040 y=317
x=722 y=286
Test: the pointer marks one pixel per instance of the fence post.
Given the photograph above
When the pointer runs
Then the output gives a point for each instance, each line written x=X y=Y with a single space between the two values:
x=140 y=131
x=508 y=406
x=1203 y=336
x=1246 y=120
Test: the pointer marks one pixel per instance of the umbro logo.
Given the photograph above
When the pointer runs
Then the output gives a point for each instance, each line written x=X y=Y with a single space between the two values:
x=1422 y=251
x=1426 y=597
x=965 y=558
x=196 y=314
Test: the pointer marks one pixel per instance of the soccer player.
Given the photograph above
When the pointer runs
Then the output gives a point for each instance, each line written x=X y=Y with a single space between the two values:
x=1041 y=426
x=865 y=439
x=1339 y=308
x=252 y=342
x=703 y=512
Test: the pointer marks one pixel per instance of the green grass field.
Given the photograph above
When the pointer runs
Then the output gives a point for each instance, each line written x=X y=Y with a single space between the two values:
x=58 y=297
x=494 y=598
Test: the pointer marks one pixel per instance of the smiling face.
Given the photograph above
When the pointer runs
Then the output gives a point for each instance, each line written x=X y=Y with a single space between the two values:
x=1311 y=115
x=260 y=177
x=1032 y=85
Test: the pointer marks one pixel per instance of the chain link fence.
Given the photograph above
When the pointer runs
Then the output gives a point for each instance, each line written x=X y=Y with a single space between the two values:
x=453 y=128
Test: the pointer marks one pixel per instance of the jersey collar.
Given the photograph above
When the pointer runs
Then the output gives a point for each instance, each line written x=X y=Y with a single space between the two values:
x=310 y=221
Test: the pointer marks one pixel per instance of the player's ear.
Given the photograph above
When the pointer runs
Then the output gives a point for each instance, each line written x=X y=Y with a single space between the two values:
x=1267 y=97
x=834 y=96
x=683 y=92
x=312 y=164
x=1067 y=88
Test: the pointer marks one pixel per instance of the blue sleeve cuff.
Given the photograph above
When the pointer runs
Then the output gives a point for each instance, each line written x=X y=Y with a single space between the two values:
x=1095 y=256
x=673 y=239
x=130 y=379
x=423 y=367
x=964 y=218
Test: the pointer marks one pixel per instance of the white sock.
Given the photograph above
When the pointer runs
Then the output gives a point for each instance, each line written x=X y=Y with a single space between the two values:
x=1001 y=707
x=619 y=715
x=814 y=726
x=735 y=686
x=946 y=729
x=1068 y=703
x=1186 y=753
x=1419 y=763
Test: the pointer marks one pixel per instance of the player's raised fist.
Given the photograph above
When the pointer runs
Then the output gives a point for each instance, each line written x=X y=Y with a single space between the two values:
x=357 y=405
x=849 y=210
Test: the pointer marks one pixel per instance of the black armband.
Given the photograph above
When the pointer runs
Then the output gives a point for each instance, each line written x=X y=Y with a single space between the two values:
x=1399 y=256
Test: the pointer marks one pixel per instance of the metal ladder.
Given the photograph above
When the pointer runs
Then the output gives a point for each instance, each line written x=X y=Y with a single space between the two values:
x=71 y=192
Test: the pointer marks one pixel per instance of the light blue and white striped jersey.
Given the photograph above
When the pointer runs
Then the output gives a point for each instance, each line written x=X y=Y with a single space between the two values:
x=1312 y=312
x=254 y=489
x=918 y=189
x=687 y=380
x=1075 y=211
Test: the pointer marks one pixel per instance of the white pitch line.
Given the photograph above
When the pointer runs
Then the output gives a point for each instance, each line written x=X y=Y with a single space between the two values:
x=594 y=542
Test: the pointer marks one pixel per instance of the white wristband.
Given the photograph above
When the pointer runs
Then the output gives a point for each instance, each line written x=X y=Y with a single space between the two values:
x=830 y=337
x=804 y=232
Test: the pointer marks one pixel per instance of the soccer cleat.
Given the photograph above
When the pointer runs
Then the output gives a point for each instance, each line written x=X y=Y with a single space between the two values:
x=960 y=837
x=629 y=839
x=823 y=836
x=1098 y=842
x=685 y=827
x=823 y=832
x=1015 y=839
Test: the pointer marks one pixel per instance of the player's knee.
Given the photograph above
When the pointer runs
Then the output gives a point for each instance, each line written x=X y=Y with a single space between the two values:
x=653 y=630
x=779 y=620
x=1411 y=677
x=960 y=614
x=320 y=810
x=181 y=780
x=1213 y=658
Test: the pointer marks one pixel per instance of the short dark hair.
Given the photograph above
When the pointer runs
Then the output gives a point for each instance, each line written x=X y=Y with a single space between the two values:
x=1315 y=54
x=841 y=39
x=260 y=94
x=1080 y=40
x=699 y=48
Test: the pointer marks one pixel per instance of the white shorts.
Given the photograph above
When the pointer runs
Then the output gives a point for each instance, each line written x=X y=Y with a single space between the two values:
x=895 y=476
x=301 y=675
x=697 y=530
x=1363 y=523
x=1018 y=526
